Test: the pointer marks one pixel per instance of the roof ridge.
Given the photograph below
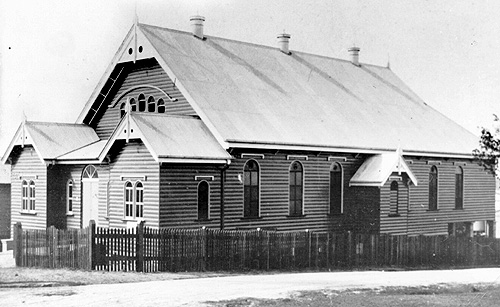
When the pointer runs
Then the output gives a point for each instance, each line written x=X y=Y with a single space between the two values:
x=261 y=45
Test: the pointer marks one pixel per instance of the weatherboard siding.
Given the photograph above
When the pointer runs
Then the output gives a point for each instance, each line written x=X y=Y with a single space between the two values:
x=27 y=165
x=145 y=72
x=4 y=210
x=479 y=197
x=179 y=196
x=132 y=162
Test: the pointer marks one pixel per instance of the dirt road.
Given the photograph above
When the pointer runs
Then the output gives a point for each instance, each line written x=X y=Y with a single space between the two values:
x=193 y=292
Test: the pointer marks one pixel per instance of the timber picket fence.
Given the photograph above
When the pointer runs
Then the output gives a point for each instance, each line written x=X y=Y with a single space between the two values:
x=145 y=249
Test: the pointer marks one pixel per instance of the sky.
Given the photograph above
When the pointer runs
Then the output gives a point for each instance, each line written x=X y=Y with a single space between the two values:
x=53 y=53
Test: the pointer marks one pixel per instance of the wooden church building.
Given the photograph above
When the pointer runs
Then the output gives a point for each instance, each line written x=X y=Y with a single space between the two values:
x=189 y=130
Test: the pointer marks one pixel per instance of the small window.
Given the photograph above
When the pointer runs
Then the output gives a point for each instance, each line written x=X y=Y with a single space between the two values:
x=69 y=196
x=203 y=200
x=134 y=200
x=142 y=102
x=133 y=105
x=251 y=189
x=394 y=199
x=25 y=199
x=459 y=188
x=161 y=106
x=336 y=185
x=296 y=188
x=122 y=109
x=151 y=104
x=433 y=188
x=90 y=172
x=31 y=195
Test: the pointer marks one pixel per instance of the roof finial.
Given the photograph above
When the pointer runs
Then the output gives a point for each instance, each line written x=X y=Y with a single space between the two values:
x=388 y=60
x=25 y=120
x=128 y=109
x=136 y=21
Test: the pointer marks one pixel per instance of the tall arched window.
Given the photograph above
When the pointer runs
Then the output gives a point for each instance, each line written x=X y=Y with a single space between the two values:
x=433 y=188
x=161 y=106
x=129 y=199
x=69 y=196
x=296 y=188
x=133 y=105
x=151 y=104
x=203 y=200
x=394 y=199
x=336 y=186
x=142 y=102
x=26 y=193
x=459 y=188
x=251 y=189
x=139 y=199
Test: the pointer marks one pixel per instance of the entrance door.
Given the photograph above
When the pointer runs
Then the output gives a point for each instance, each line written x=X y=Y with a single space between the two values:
x=90 y=195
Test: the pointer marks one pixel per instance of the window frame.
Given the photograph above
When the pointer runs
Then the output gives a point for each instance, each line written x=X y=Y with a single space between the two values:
x=250 y=187
x=433 y=189
x=133 y=200
x=459 y=188
x=70 y=198
x=141 y=103
x=395 y=204
x=203 y=218
x=24 y=196
x=301 y=189
x=341 y=171
x=160 y=103
x=151 y=102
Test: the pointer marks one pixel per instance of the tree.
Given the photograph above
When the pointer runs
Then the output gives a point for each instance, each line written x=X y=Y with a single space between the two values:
x=488 y=153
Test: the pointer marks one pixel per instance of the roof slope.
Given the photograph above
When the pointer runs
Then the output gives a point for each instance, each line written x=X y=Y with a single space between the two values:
x=257 y=94
x=55 y=139
x=178 y=137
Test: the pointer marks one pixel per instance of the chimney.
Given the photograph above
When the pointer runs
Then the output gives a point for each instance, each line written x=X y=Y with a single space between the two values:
x=283 y=40
x=197 y=26
x=354 y=51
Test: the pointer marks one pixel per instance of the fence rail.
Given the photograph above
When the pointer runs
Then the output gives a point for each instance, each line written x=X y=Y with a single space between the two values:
x=145 y=249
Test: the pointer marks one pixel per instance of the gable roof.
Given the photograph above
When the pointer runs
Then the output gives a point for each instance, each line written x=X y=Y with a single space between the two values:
x=253 y=94
x=52 y=140
x=170 y=138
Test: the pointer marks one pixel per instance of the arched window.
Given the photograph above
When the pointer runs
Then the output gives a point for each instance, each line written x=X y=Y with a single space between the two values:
x=26 y=193
x=133 y=105
x=459 y=188
x=134 y=200
x=296 y=188
x=142 y=102
x=129 y=199
x=122 y=109
x=336 y=186
x=31 y=195
x=90 y=172
x=69 y=196
x=394 y=199
x=151 y=104
x=161 y=106
x=433 y=188
x=203 y=200
x=251 y=189
x=139 y=199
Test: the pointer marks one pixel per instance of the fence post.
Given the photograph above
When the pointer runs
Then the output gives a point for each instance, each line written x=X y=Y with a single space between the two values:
x=91 y=244
x=18 y=243
x=140 y=247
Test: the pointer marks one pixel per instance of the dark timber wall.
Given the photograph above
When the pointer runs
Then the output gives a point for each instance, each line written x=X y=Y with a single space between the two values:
x=145 y=72
x=4 y=210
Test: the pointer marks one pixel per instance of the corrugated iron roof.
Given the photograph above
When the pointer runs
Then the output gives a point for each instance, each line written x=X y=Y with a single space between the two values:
x=256 y=94
x=89 y=152
x=55 y=139
x=178 y=137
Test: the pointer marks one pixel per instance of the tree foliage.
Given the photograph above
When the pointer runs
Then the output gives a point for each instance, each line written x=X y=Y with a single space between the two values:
x=488 y=153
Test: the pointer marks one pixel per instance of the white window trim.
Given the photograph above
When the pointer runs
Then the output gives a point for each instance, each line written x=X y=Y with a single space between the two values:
x=133 y=201
x=260 y=183
x=341 y=188
x=209 y=198
x=303 y=188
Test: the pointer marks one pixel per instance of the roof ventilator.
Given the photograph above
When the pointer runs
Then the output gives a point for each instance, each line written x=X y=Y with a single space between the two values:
x=197 y=26
x=283 y=41
x=354 y=51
